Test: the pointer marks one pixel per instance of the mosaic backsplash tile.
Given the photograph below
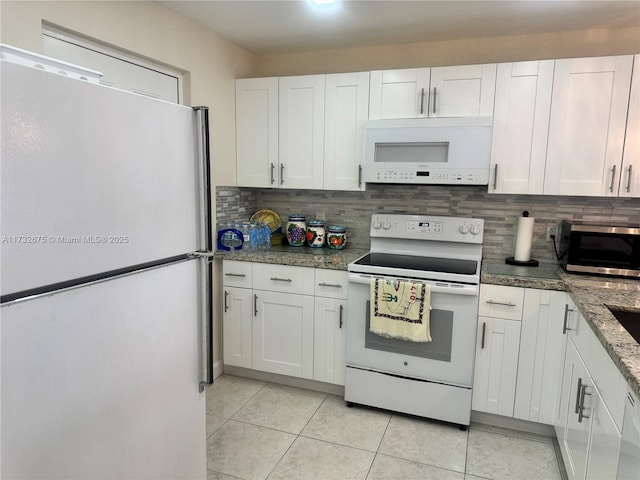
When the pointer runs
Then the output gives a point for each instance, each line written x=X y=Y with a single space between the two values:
x=500 y=212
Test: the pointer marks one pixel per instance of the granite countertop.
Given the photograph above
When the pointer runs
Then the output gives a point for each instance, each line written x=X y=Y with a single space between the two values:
x=591 y=294
x=299 y=256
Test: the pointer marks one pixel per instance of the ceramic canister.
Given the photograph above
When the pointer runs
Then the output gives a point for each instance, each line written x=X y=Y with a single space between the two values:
x=337 y=237
x=296 y=230
x=316 y=233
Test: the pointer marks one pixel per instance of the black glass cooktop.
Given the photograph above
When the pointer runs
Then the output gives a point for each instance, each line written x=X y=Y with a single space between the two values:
x=426 y=264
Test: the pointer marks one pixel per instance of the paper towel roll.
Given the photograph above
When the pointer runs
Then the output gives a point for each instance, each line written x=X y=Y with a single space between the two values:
x=524 y=237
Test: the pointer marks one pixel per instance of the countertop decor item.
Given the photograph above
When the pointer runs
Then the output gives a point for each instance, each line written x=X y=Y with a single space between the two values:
x=269 y=217
x=337 y=237
x=524 y=238
x=316 y=233
x=296 y=230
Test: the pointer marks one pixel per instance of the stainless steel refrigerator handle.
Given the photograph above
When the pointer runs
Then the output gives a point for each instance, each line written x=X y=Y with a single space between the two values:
x=628 y=187
x=495 y=177
x=613 y=175
x=273 y=180
x=566 y=317
x=422 y=101
x=202 y=131
x=484 y=329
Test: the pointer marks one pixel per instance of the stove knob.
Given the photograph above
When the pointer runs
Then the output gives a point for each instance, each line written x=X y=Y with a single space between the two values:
x=464 y=229
x=386 y=225
x=376 y=224
x=475 y=229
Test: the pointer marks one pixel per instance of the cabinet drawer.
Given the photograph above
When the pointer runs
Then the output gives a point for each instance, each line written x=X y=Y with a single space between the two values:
x=236 y=274
x=283 y=278
x=331 y=283
x=501 y=302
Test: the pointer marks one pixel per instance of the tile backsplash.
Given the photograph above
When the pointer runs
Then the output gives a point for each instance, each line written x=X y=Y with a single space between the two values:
x=500 y=212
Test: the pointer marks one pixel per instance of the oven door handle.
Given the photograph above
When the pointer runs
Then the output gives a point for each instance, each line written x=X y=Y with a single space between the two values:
x=436 y=287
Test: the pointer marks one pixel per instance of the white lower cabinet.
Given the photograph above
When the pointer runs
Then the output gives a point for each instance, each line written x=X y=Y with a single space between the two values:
x=283 y=333
x=284 y=319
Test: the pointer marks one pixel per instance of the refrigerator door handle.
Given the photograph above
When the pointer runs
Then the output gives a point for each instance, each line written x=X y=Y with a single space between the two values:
x=202 y=130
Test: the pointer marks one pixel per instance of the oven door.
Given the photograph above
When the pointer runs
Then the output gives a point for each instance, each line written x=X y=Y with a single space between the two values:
x=449 y=358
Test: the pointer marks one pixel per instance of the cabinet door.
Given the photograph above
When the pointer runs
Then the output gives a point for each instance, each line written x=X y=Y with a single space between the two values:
x=587 y=124
x=283 y=333
x=346 y=113
x=329 y=339
x=570 y=319
x=237 y=325
x=604 y=447
x=521 y=127
x=257 y=132
x=575 y=442
x=540 y=359
x=399 y=93
x=494 y=383
x=301 y=134
x=462 y=91
x=630 y=178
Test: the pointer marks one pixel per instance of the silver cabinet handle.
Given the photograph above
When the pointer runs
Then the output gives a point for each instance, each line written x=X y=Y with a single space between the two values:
x=495 y=176
x=628 y=187
x=435 y=93
x=255 y=305
x=235 y=275
x=583 y=393
x=578 y=391
x=281 y=173
x=276 y=279
x=566 y=317
x=484 y=329
x=226 y=304
x=613 y=176
x=273 y=180
x=341 y=310
x=360 y=175
x=334 y=285
x=422 y=101
x=507 y=304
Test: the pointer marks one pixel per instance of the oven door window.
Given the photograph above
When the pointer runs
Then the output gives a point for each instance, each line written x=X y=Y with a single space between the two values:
x=441 y=326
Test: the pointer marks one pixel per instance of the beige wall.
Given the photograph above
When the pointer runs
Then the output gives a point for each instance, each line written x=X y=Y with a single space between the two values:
x=210 y=62
x=455 y=52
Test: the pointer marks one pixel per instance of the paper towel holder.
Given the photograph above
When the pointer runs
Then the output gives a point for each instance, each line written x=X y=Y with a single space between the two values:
x=528 y=263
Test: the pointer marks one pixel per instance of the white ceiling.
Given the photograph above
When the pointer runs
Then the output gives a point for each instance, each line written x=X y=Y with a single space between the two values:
x=276 y=26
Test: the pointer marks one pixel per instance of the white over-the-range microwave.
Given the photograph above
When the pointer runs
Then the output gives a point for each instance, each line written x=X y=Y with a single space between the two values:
x=447 y=151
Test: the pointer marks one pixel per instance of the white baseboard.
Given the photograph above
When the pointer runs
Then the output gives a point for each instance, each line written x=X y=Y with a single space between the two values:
x=512 y=423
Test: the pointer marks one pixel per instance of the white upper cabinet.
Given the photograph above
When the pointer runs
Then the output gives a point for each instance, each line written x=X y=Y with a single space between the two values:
x=521 y=127
x=301 y=135
x=630 y=177
x=346 y=113
x=257 y=132
x=587 y=125
x=458 y=91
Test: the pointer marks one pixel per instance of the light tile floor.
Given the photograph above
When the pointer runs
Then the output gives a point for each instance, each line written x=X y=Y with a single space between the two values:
x=258 y=430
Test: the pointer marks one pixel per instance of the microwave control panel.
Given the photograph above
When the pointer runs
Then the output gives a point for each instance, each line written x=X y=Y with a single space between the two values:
x=442 y=175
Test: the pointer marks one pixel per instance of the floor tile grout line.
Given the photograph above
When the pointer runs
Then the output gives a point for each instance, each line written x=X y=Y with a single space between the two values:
x=384 y=433
x=425 y=464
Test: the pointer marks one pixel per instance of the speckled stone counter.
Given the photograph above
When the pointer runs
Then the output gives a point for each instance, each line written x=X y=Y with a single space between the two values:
x=591 y=295
x=299 y=256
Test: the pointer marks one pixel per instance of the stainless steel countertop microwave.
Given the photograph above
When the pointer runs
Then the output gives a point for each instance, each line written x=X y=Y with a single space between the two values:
x=601 y=249
x=447 y=151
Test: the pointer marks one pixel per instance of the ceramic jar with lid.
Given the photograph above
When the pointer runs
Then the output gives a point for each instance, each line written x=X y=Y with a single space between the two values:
x=316 y=233
x=296 y=230
x=337 y=237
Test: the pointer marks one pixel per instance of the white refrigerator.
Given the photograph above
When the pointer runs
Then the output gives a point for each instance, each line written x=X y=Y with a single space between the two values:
x=105 y=327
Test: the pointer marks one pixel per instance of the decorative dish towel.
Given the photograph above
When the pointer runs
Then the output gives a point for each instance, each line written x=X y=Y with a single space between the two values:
x=400 y=309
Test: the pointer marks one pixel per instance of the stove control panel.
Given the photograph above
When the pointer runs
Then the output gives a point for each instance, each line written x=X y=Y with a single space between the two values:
x=423 y=227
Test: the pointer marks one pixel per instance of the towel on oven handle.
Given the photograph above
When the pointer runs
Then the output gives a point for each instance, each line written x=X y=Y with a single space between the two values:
x=400 y=309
